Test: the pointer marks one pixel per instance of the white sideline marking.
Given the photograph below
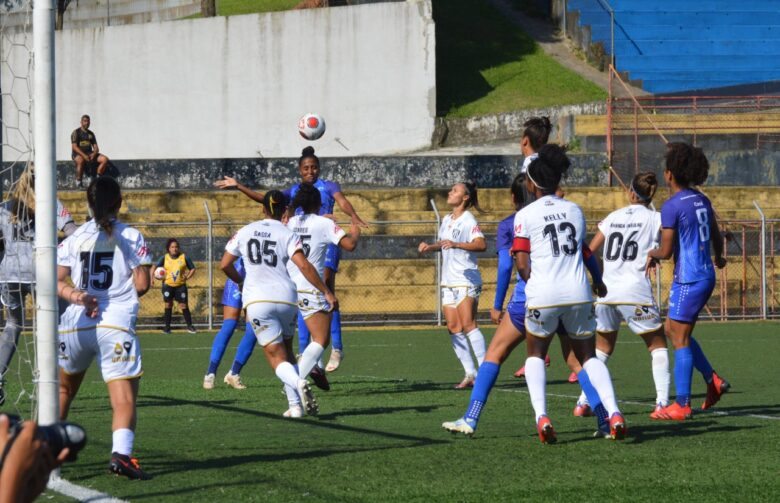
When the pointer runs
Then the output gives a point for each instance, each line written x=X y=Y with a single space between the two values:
x=80 y=493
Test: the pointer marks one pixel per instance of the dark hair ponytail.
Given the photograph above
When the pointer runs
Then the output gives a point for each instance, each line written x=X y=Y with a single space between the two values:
x=308 y=152
x=471 y=191
x=547 y=170
x=518 y=190
x=644 y=185
x=537 y=130
x=687 y=163
x=275 y=203
x=104 y=198
x=308 y=198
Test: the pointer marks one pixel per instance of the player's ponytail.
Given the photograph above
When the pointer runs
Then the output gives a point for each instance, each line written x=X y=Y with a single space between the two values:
x=518 y=191
x=307 y=153
x=537 y=130
x=471 y=191
x=644 y=185
x=307 y=198
x=104 y=198
x=547 y=170
x=275 y=204
x=687 y=164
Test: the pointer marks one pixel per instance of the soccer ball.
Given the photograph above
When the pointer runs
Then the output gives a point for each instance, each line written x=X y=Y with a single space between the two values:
x=159 y=273
x=311 y=127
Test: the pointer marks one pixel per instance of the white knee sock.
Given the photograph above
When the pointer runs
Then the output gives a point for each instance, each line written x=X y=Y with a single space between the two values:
x=287 y=374
x=602 y=356
x=292 y=396
x=122 y=441
x=309 y=358
x=477 y=341
x=536 y=380
x=463 y=352
x=600 y=379
x=660 y=359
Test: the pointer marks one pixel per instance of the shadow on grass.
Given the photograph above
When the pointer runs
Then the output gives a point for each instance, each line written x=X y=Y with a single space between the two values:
x=648 y=433
x=375 y=411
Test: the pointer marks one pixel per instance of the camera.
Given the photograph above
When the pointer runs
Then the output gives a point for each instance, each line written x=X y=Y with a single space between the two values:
x=57 y=436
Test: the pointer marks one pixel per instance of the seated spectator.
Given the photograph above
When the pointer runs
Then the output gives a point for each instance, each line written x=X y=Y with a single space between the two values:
x=85 y=152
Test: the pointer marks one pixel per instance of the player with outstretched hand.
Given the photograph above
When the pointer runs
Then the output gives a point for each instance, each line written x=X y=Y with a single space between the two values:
x=689 y=229
x=108 y=262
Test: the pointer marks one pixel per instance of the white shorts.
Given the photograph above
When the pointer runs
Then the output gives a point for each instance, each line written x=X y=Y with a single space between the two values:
x=310 y=303
x=453 y=296
x=118 y=352
x=579 y=320
x=640 y=319
x=272 y=322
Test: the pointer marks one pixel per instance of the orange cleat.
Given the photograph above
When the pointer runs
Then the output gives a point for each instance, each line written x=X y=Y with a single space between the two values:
x=546 y=431
x=617 y=426
x=582 y=410
x=674 y=412
x=467 y=382
x=573 y=378
x=521 y=371
x=656 y=411
x=715 y=389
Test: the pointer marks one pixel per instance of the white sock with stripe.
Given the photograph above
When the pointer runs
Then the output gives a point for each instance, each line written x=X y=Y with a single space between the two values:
x=461 y=346
x=477 y=341
x=660 y=361
x=536 y=380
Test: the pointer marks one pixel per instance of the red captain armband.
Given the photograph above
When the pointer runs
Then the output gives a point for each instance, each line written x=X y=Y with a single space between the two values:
x=586 y=253
x=521 y=245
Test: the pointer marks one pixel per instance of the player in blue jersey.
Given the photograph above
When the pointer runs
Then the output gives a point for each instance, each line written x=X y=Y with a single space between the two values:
x=330 y=192
x=231 y=312
x=688 y=229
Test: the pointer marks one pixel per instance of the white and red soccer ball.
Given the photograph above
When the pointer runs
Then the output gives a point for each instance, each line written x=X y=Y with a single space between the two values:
x=311 y=127
x=159 y=273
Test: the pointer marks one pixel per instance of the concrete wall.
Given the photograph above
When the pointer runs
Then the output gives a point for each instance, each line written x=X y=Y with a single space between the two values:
x=236 y=86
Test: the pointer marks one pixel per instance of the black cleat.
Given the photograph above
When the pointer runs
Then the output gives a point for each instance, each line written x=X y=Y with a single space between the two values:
x=2 y=395
x=319 y=378
x=127 y=466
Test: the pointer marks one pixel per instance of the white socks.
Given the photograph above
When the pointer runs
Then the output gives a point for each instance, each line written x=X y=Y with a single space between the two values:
x=603 y=357
x=463 y=352
x=309 y=358
x=536 y=380
x=123 y=441
x=660 y=359
x=477 y=341
x=600 y=379
x=287 y=374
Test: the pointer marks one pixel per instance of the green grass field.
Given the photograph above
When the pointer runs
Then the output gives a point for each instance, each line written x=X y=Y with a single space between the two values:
x=378 y=437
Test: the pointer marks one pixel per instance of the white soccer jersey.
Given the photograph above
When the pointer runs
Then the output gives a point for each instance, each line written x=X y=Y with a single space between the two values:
x=552 y=229
x=266 y=246
x=316 y=234
x=459 y=267
x=629 y=234
x=18 y=239
x=103 y=266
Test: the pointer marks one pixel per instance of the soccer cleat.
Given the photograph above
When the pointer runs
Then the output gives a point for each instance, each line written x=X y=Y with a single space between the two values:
x=657 y=410
x=467 y=382
x=295 y=411
x=335 y=360
x=573 y=378
x=308 y=400
x=521 y=371
x=459 y=426
x=617 y=426
x=166 y=330
x=191 y=329
x=319 y=378
x=715 y=389
x=546 y=431
x=234 y=381
x=126 y=466
x=602 y=430
x=582 y=410
x=674 y=412
x=2 y=391
x=208 y=381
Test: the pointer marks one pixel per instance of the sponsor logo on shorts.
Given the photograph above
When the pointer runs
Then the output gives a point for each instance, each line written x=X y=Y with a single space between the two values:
x=122 y=353
x=257 y=327
x=117 y=349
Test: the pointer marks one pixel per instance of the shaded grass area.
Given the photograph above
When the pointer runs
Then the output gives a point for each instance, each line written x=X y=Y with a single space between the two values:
x=238 y=7
x=378 y=437
x=486 y=65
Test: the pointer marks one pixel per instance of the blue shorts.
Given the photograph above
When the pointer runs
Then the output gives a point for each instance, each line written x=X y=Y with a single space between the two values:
x=333 y=257
x=231 y=297
x=686 y=300
x=516 y=312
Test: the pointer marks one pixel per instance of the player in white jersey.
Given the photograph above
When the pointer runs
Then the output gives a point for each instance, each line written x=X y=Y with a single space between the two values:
x=630 y=233
x=17 y=265
x=549 y=234
x=269 y=295
x=460 y=238
x=108 y=262
x=316 y=233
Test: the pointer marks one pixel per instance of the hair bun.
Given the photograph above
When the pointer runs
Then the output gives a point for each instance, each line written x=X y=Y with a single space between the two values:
x=307 y=151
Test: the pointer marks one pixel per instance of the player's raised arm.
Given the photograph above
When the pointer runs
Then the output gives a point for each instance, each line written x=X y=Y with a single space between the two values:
x=228 y=182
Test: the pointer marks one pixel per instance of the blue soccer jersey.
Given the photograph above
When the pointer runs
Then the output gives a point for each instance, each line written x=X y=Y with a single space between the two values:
x=690 y=214
x=231 y=295
x=504 y=237
x=327 y=189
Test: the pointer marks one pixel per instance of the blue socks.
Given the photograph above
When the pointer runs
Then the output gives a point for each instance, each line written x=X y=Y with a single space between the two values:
x=220 y=344
x=683 y=372
x=244 y=351
x=486 y=378
x=700 y=361
x=335 y=331
x=593 y=398
x=303 y=334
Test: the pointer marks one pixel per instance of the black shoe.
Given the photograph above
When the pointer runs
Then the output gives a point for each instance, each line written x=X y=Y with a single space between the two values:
x=192 y=330
x=166 y=330
x=319 y=378
x=2 y=395
x=127 y=466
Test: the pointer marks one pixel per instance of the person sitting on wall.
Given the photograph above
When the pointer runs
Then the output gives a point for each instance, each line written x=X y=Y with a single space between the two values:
x=85 y=152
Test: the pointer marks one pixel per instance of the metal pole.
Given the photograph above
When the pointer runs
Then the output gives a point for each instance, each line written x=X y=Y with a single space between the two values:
x=210 y=258
x=763 y=260
x=45 y=212
x=438 y=265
